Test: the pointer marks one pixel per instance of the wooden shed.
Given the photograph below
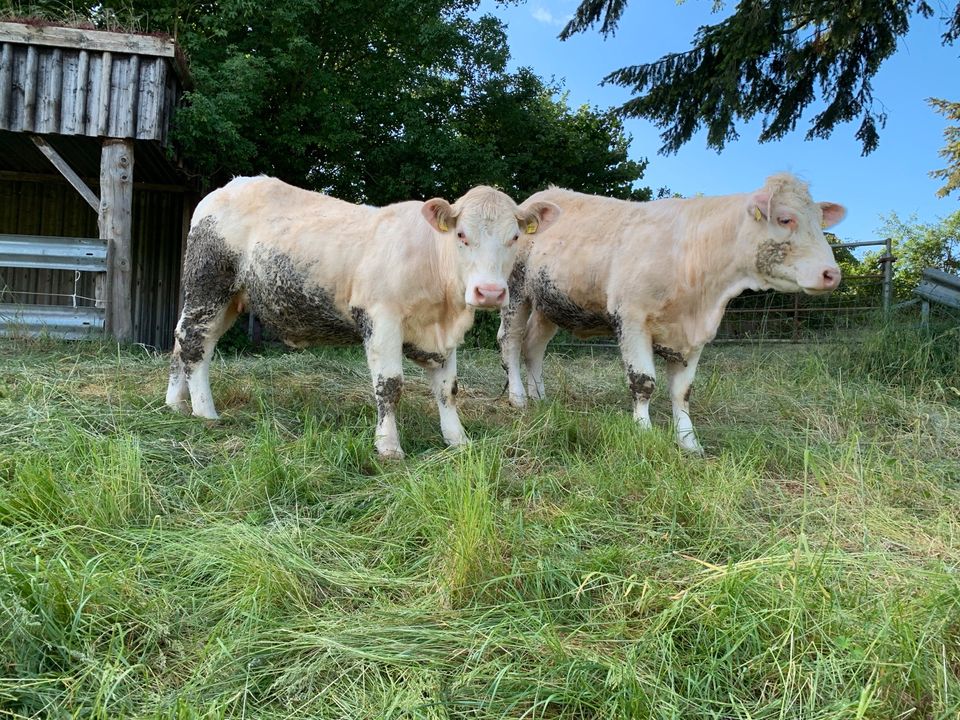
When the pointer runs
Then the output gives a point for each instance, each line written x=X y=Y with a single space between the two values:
x=85 y=154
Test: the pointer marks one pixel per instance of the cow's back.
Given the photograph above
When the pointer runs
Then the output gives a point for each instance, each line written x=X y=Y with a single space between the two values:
x=295 y=254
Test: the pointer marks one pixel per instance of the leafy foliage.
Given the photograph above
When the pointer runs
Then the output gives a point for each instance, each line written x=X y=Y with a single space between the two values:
x=950 y=151
x=372 y=101
x=771 y=58
x=918 y=245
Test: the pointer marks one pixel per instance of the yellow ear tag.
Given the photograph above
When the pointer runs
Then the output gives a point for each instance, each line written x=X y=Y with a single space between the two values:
x=532 y=227
x=442 y=225
x=757 y=215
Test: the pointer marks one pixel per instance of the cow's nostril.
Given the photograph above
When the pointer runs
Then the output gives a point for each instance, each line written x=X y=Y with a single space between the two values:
x=489 y=294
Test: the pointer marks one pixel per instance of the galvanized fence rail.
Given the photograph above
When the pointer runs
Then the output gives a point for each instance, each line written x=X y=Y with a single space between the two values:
x=77 y=316
x=938 y=287
x=794 y=317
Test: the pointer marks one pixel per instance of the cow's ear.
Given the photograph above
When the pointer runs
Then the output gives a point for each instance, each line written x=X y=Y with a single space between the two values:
x=537 y=216
x=832 y=213
x=439 y=214
x=759 y=206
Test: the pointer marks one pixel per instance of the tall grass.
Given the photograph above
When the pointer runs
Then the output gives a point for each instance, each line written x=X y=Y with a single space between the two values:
x=562 y=566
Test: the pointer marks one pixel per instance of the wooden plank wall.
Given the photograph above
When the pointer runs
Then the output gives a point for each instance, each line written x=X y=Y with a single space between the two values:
x=47 y=208
x=83 y=92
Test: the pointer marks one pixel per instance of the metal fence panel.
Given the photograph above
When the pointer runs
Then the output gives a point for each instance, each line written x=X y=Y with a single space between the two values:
x=53 y=253
x=59 y=321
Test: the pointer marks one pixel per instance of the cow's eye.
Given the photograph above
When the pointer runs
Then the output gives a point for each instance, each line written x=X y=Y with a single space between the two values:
x=786 y=221
x=463 y=237
x=512 y=240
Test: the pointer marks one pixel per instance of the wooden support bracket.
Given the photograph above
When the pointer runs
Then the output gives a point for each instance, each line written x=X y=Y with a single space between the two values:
x=60 y=164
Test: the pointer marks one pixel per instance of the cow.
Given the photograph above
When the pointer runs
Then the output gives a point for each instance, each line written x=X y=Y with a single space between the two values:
x=403 y=280
x=658 y=275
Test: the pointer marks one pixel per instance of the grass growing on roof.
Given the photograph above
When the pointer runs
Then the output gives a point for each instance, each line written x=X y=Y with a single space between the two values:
x=563 y=566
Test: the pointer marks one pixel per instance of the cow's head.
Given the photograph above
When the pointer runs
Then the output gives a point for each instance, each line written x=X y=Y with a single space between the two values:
x=786 y=227
x=485 y=226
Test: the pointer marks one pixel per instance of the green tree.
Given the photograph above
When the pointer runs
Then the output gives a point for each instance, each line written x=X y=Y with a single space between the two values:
x=917 y=246
x=769 y=58
x=371 y=101
x=950 y=151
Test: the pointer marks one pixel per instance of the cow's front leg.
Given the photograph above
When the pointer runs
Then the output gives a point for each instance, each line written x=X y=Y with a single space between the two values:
x=681 y=381
x=636 y=348
x=443 y=382
x=513 y=322
x=384 y=346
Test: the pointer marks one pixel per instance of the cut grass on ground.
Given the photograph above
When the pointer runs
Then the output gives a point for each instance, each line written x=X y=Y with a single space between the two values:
x=563 y=566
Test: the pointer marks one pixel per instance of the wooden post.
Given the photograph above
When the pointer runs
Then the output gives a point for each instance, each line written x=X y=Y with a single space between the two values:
x=116 y=209
x=888 y=277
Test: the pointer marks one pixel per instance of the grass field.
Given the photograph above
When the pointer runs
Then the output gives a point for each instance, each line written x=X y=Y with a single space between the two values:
x=563 y=566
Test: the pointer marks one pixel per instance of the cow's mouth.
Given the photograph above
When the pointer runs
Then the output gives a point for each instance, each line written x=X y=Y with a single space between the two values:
x=816 y=291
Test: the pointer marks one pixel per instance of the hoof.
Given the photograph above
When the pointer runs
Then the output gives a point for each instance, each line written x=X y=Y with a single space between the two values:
x=206 y=416
x=691 y=446
x=459 y=441
x=390 y=453
x=181 y=407
x=518 y=401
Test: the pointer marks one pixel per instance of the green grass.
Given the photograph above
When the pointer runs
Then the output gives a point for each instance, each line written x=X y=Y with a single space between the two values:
x=563 y=566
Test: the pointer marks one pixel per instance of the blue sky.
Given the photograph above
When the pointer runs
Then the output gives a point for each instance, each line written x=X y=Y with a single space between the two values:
x=893 y=178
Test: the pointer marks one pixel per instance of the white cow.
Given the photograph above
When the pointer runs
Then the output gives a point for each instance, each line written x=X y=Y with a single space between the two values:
x=658 y=276
x=403 y=280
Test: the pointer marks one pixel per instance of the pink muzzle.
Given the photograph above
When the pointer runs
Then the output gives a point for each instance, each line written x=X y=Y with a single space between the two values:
x=488 y=295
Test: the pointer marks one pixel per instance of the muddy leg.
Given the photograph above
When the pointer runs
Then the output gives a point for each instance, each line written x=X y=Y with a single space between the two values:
x=384 y=346
x=681 y=380
x=513 y=322
x=210 y=307
x=196 y=337
x=539 y=332
x=636 y=348
x=443 y=382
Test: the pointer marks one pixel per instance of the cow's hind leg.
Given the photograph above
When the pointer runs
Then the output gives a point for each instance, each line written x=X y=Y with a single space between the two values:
x=513 y=322
x=539 y=332
x=197 y=336
x=681 y=379
x=211 y=304
x=178 y=393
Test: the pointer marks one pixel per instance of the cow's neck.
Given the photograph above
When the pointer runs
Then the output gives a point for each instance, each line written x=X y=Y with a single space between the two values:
x=724 y=271
x=449 y=315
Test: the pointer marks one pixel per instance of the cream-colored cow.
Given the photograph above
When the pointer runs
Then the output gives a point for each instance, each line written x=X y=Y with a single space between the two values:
x=658 y=276
x=403 y=280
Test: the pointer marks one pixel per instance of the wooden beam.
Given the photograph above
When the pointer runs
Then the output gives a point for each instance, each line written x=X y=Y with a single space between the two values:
x=51 y=178
x=116 y=211
x=60 y=164
x=106 y=89
x=30 y=89
x=80 y=38
x=6 y=85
